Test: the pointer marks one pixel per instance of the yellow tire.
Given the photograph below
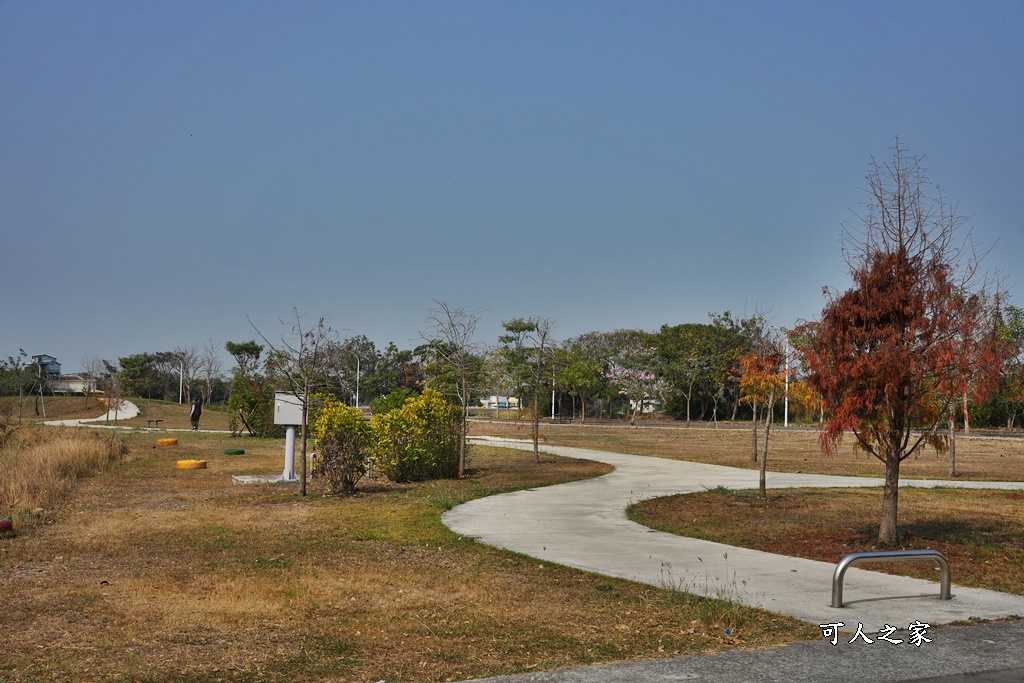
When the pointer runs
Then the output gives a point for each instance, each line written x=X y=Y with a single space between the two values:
x=191 y=464
x=166 y=442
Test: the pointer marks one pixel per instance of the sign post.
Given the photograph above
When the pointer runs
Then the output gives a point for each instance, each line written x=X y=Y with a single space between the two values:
x=288 y=412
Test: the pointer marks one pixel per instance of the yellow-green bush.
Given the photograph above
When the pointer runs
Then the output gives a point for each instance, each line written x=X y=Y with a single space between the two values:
x=342 y=440
x=418 y=441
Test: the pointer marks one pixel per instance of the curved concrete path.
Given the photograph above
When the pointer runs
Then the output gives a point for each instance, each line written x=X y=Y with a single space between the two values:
x=127 y=411
x=583 y=524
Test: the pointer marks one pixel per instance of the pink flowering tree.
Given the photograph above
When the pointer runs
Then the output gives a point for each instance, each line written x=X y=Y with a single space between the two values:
x=633 y=372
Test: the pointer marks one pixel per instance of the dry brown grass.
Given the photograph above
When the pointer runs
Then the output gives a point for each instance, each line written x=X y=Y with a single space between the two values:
x=173 y=414
x=981 y=532
x=792 y=450
x=152 y=573
x=39 y=466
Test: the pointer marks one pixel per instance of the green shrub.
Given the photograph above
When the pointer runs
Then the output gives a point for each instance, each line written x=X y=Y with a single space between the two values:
x=393 y=401
x=342 y=440
x=419 y=440
x=251 y=406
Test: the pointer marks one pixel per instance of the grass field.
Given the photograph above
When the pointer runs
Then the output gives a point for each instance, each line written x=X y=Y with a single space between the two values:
x=790 y=450
x=980 y=532
x=173 y=414
x=151 y=573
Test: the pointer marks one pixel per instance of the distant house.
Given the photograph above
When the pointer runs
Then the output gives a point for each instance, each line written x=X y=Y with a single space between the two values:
x=499 y=402
x=63 y=384
x=74 y=384
x=48 y=364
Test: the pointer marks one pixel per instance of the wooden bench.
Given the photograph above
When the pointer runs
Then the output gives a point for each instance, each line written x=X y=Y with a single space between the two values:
x=149 y=423
x=560 y=420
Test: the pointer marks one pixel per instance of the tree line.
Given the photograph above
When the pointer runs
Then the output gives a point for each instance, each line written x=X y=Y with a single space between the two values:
x=722 y=369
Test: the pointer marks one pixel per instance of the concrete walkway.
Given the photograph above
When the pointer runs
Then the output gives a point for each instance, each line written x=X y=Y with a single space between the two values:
x=583 y=524
x=127 y=411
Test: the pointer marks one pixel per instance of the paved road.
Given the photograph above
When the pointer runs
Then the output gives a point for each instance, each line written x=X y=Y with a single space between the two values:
x=583 y=524
x=989 y=653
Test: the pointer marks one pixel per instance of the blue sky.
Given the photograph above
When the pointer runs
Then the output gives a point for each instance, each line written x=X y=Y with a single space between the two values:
x=169 y=169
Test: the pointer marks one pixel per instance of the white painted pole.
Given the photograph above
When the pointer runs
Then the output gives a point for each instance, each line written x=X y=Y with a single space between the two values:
x=289 y=455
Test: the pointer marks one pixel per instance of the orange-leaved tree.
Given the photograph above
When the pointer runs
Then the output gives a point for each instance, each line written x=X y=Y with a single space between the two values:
x=890 y=354
x=762 y=383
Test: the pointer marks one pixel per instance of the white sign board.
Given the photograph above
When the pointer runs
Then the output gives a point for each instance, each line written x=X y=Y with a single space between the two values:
x=287 y=409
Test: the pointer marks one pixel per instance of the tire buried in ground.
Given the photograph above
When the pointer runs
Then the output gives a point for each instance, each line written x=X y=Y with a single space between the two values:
x=166 y=442
x=191 y=464
x=234 y=451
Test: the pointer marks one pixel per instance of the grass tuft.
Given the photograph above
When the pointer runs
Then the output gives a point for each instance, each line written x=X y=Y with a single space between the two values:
x=39 y=466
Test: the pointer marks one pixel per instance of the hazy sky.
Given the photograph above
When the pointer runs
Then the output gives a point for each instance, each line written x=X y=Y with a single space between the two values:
x=169 y=168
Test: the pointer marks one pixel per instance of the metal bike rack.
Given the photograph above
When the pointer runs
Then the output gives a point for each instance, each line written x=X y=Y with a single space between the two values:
x=883 y=555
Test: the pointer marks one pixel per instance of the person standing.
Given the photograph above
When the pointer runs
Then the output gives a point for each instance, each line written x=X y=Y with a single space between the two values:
x=197 y=410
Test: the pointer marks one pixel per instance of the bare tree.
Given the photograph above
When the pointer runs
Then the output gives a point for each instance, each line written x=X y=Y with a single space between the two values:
x=300 y=360
x=93 y=369
x=450 y=337
x=209 y=365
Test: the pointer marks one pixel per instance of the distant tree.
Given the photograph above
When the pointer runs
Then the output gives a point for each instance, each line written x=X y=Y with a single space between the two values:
x=138 y=375
x=1010 y=394
x=19 y=377
x=580 y=369
x=633 y=371
x=396 y=369
x=209 y=367
x=177 y=371
x=762 y=383
x=251 y=400
x=450 y=336
x=525 y=349
x=246 y=354
x=351 y=364
x=888 y=353
x=114 y=390
x=93 y=373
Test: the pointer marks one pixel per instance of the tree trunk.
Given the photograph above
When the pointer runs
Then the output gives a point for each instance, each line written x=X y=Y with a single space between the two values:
x=952 y=441
x=536 y=425
x=753 y=452
x=967 y=416
x=302 y=467
x=465 y=422
x=890 y=498
x=764 y=456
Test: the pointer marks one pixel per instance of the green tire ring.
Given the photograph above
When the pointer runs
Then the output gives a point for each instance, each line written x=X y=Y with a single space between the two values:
x=234 y=451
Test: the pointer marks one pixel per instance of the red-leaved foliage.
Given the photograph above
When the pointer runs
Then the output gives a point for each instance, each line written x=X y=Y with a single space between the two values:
x=890 y=354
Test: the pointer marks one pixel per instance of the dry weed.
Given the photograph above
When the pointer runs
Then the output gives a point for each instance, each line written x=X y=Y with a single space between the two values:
x=39 y=466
